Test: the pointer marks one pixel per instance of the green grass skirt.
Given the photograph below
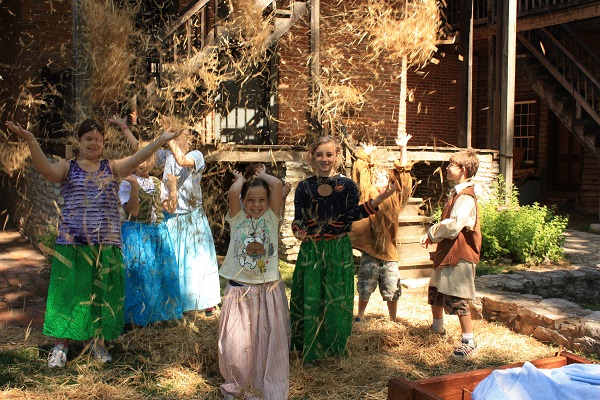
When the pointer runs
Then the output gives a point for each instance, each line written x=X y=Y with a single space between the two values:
x=322 y=298
x=85 y=296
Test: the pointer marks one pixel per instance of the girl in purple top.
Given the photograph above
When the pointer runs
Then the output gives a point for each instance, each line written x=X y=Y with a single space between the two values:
x=85 y=296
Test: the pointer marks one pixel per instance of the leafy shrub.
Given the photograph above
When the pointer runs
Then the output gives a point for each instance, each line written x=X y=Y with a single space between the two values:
x=524 y=234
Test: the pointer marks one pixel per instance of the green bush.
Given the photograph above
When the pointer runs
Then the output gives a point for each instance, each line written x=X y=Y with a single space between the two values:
x=524 y=234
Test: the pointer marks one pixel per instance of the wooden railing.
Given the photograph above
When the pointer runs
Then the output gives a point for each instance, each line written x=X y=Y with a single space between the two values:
x=484 y=11
x=570 y=61
x=188 y=32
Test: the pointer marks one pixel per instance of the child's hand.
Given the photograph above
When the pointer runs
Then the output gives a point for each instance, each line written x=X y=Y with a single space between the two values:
x=261 y=169
x=425 y=241
x=300 y=234
x=238 y=175
x=391 y=189
x=121 y=122
x=19 y=130
x=171 y=134
x=403 y=139
x=132 y=180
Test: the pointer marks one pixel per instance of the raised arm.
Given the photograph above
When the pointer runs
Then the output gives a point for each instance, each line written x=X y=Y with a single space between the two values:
x=53 y=172
x=126 y=166
x=234 y=193
x=122 y=124
x=132 y=207
x=275 y=187
x=402 y=141
x=180 y=157
x=384 y=195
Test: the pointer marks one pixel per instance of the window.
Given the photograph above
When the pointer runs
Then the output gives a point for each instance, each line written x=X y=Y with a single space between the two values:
x=525 y=129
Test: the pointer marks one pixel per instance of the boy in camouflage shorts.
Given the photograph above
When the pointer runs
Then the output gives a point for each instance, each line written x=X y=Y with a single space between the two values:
x=376 y=236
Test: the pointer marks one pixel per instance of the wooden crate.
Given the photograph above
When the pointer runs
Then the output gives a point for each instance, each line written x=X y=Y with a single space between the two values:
x=460 y=386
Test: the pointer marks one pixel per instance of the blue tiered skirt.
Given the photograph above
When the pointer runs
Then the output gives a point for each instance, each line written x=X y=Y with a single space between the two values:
x=195 y=250
x=152 y=291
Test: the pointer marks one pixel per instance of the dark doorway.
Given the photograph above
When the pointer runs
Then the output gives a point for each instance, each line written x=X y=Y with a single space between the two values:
x=565 y=159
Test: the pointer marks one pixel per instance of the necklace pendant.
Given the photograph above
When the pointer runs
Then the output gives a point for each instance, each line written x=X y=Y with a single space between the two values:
x=324 y=190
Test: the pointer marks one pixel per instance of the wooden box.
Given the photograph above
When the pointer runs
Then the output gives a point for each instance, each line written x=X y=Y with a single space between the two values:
x=459 y=386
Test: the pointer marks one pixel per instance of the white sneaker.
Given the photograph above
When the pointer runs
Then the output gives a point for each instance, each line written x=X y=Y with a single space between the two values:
x=58 y=356
x=99 y=351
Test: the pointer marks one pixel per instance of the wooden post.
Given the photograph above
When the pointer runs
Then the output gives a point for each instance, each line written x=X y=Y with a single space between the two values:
x=402 y=100
x=492 y=141
x=81 y=72
x=315 y=62
x=465 y=78
x=506 y=58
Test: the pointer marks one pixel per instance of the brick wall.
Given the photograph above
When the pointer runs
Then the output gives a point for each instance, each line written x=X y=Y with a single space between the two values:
x=34 y=34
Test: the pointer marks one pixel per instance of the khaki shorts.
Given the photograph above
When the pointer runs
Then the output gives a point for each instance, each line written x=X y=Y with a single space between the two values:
x=451 y=304
x=373 y=272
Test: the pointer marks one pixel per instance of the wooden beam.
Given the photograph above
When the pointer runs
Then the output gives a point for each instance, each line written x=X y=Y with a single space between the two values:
x=506 y=46
x=492 y=141
x=315 y=58
x=546 y=19
x=465 y=77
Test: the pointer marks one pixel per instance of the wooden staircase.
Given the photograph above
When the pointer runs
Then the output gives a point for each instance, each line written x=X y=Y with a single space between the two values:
x=562 y=70
x=200 y=31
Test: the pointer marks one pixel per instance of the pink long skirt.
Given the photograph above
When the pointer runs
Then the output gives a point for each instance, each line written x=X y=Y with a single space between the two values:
x=254 y=334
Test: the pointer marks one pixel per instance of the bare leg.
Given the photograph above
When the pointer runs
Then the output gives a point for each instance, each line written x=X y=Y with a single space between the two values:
x=437 y=312
x=362 y=306
x=393 y=309
x=466 y=324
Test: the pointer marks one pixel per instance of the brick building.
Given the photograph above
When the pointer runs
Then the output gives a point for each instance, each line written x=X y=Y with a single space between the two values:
x=40 y=42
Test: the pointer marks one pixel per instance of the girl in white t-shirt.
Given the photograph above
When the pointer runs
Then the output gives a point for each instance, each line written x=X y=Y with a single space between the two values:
x=254 y=325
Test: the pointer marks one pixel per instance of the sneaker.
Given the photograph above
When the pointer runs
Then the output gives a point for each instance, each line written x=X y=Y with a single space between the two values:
x=465 y=349
x=99 y=351
x=58 y=356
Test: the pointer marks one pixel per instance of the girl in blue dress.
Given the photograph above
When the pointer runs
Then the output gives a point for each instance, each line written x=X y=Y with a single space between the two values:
x=151 y=273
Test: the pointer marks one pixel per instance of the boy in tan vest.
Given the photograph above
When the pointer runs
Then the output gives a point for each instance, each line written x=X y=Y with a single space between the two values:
x=458 y=239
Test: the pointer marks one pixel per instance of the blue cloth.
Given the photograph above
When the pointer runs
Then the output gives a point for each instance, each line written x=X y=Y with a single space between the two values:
x=151 y=274
x=189 y=192
x=574 y=381
x=195 y=251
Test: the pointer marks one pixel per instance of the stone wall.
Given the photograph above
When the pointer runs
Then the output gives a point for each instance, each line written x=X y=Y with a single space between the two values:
x=543 y=304
x=40 y=205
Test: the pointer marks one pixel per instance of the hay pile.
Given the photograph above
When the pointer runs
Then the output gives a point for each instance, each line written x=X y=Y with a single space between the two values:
x=179 y=361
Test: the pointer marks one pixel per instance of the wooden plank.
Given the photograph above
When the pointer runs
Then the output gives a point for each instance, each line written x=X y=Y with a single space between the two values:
x=414 y=219
x=416 y=229
x=414 y=263
x=413 y=249
x=459 y=386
